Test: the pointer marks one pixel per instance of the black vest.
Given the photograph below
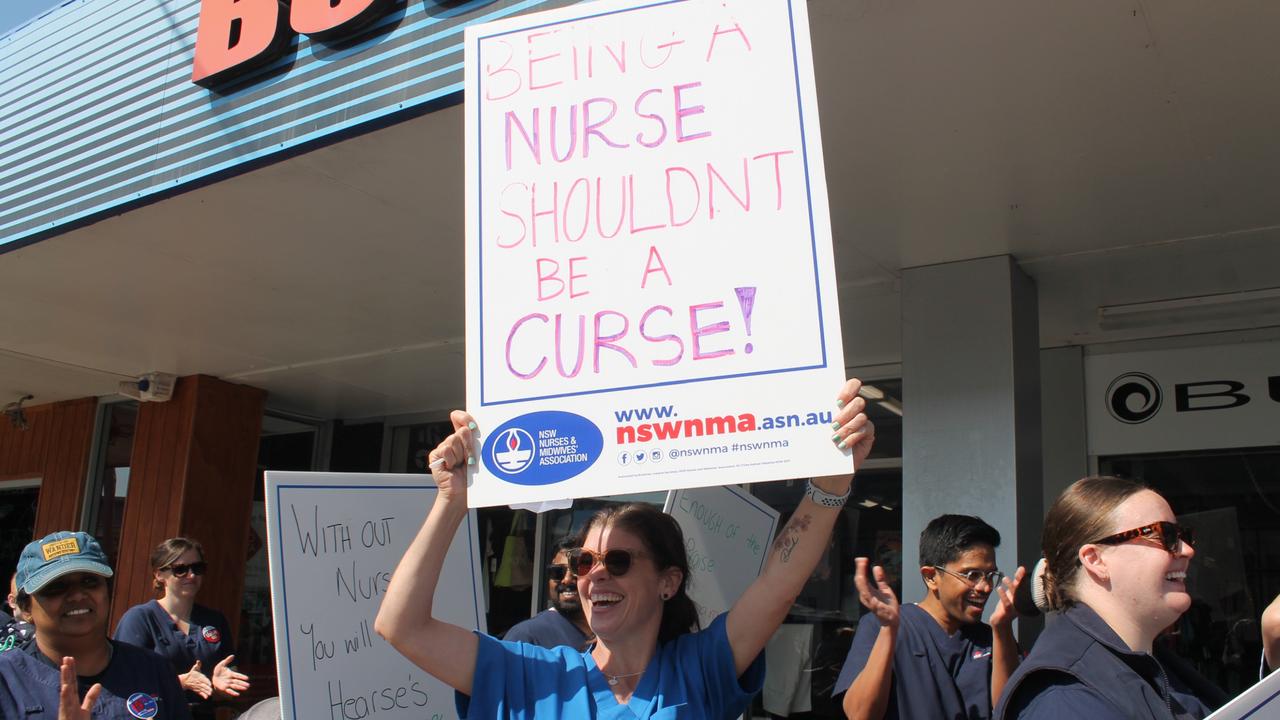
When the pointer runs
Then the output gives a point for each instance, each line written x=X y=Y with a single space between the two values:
x=1081 y=645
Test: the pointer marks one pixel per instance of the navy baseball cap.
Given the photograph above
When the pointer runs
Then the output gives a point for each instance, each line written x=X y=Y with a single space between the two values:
x=61 y=553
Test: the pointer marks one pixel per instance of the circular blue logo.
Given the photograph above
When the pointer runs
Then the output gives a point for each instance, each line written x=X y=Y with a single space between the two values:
x=142 y=705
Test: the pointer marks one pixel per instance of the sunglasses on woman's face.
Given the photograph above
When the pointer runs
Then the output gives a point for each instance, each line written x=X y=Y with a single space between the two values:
x=1165 y=533
x=616 y=562
x=181 y=569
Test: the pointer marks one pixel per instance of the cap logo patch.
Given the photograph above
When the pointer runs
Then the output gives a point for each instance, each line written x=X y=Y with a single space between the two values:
x=210 y=634
x=142 y=705
x=59 y=548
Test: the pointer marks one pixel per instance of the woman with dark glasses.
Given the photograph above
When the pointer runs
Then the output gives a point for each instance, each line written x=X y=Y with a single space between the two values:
x=1116 y=567
x=195 y=639
x=649 y=660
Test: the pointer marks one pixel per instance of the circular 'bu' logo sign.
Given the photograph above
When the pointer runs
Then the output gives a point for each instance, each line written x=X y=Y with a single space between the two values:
x=1133 y=398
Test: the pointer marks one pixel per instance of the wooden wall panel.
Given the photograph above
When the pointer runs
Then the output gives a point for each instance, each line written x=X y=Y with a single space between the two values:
x=193 y=467
x=221 y=472
x=160 y=446
x=55 y=448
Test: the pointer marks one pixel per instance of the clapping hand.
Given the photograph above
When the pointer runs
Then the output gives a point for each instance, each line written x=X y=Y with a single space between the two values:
x=196 y=681
x=69 y=705
x=877 y=598
x=227 y=681
x=1006 y=611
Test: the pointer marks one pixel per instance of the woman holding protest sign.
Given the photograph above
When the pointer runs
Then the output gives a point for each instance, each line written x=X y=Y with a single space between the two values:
x=1116 y=567
x=632 y=572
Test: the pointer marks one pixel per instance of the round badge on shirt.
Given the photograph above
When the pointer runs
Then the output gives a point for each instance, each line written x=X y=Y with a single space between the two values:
x=142 y=705
x=210 y=634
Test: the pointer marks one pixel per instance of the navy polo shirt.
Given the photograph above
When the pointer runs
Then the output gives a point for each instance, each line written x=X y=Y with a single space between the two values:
x=136 y=684
x=549 y=629
x=207 y=640
x=935 y=675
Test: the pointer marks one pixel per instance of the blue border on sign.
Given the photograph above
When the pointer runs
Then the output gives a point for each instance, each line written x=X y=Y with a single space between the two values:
x=284 y=586
x=1259 y=706
x=813 y=240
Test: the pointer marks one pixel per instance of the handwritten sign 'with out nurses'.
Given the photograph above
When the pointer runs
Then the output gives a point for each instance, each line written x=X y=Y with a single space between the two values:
x=650 y=287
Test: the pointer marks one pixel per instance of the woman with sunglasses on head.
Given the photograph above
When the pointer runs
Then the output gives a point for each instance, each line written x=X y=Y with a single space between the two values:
x=1116 y=568
x=649 y=659
x=195 y=639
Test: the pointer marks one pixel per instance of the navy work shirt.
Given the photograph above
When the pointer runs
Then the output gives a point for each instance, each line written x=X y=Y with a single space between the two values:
x=136 y=684
x=935 y=675
x=549 y=629
x=208 y=638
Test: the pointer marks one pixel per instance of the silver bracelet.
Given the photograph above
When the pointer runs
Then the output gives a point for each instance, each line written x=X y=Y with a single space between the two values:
x=826 y=499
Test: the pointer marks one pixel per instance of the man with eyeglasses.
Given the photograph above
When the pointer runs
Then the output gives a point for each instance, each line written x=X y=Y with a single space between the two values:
x=563 y=623
x=73 y=671
x=935 y=658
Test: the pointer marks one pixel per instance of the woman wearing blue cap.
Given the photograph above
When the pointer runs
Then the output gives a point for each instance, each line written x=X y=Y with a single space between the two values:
x=73 y=671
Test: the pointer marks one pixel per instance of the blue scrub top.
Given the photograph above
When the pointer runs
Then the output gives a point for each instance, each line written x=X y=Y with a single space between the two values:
x=690 y=677
x=935 y=675
x=208 y=639
x=136 y=684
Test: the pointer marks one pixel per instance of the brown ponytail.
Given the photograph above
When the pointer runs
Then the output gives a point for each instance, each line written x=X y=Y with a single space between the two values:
x=1080 y=515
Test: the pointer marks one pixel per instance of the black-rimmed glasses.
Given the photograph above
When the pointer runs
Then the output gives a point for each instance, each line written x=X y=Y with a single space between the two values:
x=1164 y=533
x=973 y=577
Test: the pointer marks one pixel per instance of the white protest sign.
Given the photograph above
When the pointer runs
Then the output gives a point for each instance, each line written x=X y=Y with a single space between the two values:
x=727 y=533
x=1260 y=701
x=651 y=298
x=334 y=540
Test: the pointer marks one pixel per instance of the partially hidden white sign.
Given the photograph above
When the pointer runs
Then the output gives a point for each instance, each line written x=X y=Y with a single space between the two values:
x=1258 y=702
x=334 y=540
x=651 y=296
x=727 y=533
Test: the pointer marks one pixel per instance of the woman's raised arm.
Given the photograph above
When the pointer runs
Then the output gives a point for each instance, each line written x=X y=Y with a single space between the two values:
x=797 y=549
x=405 y=619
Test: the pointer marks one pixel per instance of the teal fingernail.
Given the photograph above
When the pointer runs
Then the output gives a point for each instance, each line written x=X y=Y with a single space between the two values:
x=839 y=403
x=835 y=426
x=472 y=461
x=841 y=445
x=472 y=424
x=835 y=438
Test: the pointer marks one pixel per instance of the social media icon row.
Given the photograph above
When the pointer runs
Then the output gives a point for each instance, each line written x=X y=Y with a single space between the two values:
x=639 y=457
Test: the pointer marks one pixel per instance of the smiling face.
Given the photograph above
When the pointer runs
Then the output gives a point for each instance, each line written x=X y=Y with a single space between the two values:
x=564 y=592
x=628 y=605
x=74 y=605
x=963 y=603
x=1144 y=577
x=181 y=587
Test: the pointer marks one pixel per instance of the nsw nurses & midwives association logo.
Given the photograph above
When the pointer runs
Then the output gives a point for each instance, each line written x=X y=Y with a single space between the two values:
x=542 y=448
x=514 y=450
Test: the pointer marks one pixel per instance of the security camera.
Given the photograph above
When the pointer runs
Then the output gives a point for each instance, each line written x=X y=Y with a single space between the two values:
x=152 y=387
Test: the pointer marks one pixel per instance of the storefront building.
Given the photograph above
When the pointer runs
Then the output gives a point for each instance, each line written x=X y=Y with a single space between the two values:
x=1057 y=237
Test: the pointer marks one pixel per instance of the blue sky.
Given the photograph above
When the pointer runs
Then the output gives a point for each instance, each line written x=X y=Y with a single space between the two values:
x=16 y=12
